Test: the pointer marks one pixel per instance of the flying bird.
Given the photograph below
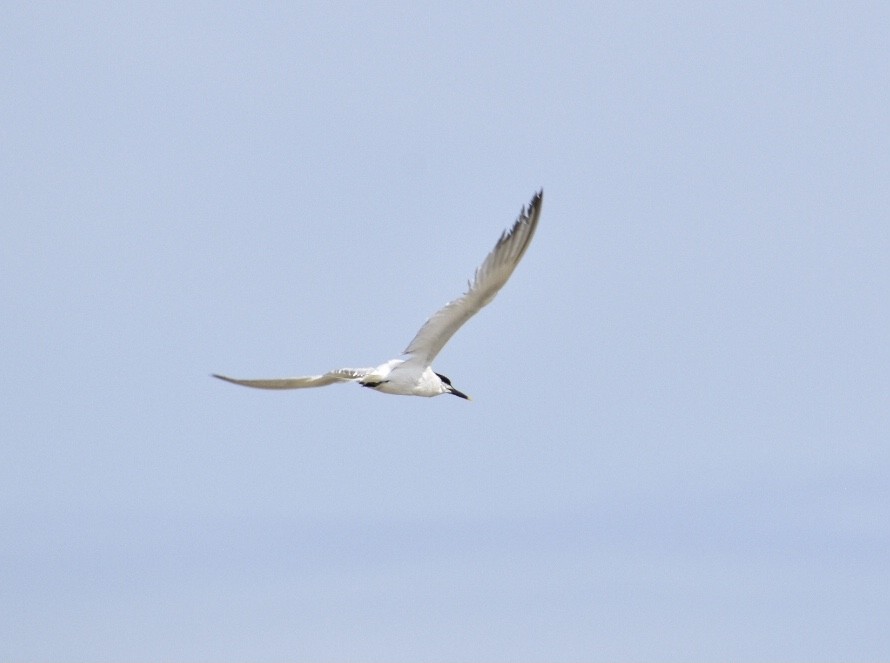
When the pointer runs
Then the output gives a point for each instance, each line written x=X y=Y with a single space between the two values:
x=413 y=375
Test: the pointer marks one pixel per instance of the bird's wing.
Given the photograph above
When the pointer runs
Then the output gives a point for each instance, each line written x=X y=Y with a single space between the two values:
x=490 y=277
x=340 y=375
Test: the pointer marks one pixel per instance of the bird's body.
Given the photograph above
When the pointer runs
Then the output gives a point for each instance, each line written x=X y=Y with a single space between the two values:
x=414 y=376
x=399 y=376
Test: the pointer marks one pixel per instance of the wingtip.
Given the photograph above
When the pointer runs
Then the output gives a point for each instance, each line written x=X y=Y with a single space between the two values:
x=535 y=203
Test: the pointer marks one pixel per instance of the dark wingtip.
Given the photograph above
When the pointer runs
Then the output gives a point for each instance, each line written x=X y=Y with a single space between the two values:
x=533 y=205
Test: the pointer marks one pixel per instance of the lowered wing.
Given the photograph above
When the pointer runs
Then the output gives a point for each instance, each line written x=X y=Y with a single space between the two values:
x=340 y=375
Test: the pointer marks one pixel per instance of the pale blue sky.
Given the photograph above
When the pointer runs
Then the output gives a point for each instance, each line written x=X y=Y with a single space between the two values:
x=677 y=447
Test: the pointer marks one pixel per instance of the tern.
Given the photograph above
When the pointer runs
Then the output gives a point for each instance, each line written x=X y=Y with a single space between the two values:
x=413 y=375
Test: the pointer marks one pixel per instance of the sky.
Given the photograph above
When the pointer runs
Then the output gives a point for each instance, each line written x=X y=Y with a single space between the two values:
x=677 y=447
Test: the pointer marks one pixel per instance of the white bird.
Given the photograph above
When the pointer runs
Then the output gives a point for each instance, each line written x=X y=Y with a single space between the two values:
x=414 y=376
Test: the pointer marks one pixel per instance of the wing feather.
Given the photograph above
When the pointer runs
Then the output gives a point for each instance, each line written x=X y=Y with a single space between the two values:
x=490 y=277
x=339 y=375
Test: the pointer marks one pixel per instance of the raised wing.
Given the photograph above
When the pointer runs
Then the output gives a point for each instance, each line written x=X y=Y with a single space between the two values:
x=490 y=277
x=340 y=375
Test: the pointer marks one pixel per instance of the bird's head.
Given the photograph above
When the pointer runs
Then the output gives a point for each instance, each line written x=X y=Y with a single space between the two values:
x=449 y=389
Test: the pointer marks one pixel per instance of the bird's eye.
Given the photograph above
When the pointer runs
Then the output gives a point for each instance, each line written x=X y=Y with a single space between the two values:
x=444 y=379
